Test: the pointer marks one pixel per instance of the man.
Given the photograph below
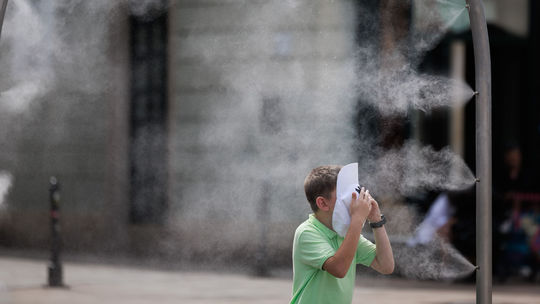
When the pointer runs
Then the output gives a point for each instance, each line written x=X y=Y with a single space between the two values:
x=323 y=266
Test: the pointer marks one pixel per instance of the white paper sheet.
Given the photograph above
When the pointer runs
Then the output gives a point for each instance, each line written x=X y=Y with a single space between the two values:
x=347 y=182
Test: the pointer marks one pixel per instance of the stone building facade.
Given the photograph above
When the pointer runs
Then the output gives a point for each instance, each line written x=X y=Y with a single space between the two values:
x=256 y=94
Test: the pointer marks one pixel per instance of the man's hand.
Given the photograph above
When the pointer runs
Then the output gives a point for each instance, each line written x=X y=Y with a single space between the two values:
x=339 y=264
x=360 y=206
x=375 y=213
x=384 y=258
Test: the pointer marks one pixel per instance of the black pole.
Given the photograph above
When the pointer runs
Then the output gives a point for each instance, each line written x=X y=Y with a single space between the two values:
x=55 y=265
x=2 y=13
x=482 y=63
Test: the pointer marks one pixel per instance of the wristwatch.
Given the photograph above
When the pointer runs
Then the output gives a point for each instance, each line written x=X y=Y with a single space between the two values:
x=378 y=224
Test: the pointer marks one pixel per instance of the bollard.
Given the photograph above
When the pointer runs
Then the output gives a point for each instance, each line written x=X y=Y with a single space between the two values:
x=55 y=266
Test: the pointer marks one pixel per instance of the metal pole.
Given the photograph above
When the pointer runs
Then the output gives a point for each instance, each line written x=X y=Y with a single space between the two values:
x=2 y=13
x=482 y=63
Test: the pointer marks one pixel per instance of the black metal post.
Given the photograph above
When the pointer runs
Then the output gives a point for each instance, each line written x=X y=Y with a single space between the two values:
x=2 y=13
x=482 y=63
x=55 y=265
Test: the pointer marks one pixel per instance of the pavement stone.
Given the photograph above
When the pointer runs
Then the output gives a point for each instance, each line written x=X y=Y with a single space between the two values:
x=22 y=281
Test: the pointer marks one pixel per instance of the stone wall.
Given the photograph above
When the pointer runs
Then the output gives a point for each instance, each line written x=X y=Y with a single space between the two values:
x=236 y=177
x=73 y=128
x=259 y=93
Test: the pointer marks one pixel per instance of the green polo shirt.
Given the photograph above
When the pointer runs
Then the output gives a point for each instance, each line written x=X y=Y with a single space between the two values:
x=313 y=244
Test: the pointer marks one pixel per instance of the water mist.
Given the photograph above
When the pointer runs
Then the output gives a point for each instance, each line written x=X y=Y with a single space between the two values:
x=268 y=90
x=290 y=77
x=392 y=85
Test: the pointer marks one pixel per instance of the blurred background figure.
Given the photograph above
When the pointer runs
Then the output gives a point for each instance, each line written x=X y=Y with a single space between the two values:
x=438 y=222
x=515 y=218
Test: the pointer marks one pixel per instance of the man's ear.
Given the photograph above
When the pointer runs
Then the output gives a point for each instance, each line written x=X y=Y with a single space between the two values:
x=322 y=203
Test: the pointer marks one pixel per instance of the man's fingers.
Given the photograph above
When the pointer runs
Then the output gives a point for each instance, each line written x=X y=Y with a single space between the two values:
x=364 y=195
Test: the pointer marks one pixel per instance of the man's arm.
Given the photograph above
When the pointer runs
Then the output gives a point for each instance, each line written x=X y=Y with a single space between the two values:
x=338 y=264
x=384 y=258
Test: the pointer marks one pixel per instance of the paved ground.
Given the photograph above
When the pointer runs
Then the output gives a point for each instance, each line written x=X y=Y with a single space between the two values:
x=22 y=280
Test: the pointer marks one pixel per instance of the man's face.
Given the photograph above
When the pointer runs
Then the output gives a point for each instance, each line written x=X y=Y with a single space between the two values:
x=331 y=201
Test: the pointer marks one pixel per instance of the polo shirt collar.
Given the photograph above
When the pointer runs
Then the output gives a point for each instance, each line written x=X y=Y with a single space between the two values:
x=320 y=226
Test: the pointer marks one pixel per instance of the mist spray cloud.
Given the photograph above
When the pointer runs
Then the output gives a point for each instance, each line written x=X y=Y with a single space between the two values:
x=398 y=90
x=52 y=45
x=312 y=106
x=414 y=168
x=291 y=84
x=437 y=260
x=390 y=81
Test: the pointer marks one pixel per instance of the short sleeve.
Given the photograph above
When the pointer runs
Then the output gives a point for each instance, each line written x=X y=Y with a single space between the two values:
x=365 y=253
x=314 y=249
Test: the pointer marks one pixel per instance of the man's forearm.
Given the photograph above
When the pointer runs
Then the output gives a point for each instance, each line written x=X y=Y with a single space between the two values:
x=384 y=256
x=339 y=264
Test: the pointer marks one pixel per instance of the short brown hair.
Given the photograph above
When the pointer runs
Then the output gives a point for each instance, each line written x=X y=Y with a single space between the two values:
x=321 y=181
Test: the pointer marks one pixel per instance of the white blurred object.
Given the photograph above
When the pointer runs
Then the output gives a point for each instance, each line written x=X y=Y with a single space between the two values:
x=18 y=99
x=5 y=183
x=438 y=215
x=347 y=182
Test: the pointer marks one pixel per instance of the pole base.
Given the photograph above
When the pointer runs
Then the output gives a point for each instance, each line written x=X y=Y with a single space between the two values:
x=55 y=276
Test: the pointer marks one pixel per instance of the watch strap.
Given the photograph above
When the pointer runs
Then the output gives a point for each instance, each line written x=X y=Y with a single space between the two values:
x=380 y=223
